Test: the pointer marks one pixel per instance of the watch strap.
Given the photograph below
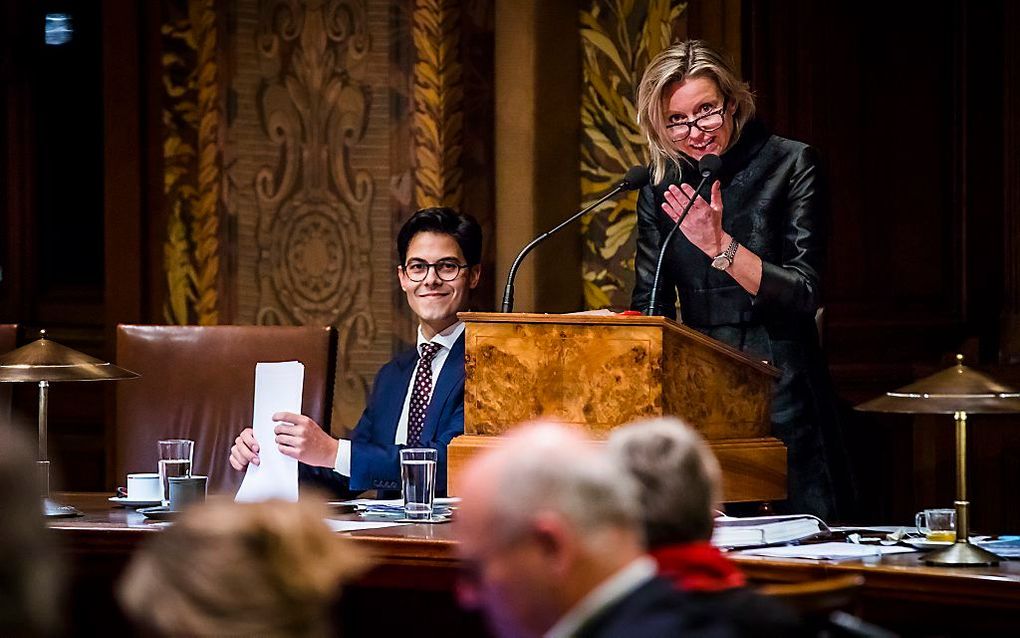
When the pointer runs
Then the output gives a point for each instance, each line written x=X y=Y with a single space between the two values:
x=731 y=250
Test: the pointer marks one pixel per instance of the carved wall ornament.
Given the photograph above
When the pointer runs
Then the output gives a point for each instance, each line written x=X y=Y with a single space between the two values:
x=313 y=224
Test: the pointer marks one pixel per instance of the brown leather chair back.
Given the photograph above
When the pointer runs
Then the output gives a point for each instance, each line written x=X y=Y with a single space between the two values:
x=8 y=342
x=198 y=383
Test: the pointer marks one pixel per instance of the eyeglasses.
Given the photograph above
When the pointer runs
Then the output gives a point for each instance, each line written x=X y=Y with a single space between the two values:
x=446 y=269
x=706 y=123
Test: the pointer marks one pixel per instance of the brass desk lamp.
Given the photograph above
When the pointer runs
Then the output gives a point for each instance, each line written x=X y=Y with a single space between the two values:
x=43 y=362
x=958 y=390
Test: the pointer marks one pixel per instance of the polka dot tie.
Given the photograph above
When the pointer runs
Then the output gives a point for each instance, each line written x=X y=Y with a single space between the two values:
x=421 y=393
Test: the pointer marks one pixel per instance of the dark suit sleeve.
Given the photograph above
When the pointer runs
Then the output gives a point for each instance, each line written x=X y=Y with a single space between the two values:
x=795 y=283
x=373 y=461
x=649 y=241
x=327 y=478
x=376 y=464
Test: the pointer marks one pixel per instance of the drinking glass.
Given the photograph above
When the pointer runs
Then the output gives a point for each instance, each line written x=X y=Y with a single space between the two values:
x=174 y=460
x=418 y=481
x=937 y=524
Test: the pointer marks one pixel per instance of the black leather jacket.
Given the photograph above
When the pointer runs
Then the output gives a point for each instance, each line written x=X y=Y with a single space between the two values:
x=773 y=204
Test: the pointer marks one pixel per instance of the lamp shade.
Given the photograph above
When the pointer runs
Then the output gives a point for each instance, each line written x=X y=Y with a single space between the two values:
x=45 y=360
x=955 y=389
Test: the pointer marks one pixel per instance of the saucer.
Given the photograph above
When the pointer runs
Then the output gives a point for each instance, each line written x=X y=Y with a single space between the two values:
x=159 y=513
x=924 y=543
x=435 y=520
x=124 y=501
x=437 y=517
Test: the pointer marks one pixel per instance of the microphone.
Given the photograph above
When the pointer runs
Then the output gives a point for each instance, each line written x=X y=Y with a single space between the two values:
x=636 y=177
x=707 y=166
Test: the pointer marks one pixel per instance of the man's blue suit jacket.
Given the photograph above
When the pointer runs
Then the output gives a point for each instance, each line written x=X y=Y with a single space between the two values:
x=375 y=459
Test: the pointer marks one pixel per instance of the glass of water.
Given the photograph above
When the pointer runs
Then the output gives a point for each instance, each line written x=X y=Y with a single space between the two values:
x=174 y=460
x=418 y=481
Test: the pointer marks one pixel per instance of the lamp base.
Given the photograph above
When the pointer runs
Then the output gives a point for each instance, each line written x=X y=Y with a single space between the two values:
x=962 y=554
x=52 y=509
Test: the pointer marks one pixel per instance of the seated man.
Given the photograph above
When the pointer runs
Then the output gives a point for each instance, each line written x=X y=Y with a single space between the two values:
x=417 y=399
x=551 y=541
x=680 y=488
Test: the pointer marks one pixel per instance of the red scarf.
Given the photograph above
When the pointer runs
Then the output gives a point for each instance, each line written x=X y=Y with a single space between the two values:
x=698 y=567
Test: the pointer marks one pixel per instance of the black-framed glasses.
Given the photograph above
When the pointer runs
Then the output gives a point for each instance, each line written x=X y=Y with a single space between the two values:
x=446 y=269
x=706 y=123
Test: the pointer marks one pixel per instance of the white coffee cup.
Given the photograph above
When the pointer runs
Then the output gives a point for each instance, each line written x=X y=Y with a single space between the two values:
x=144 y=486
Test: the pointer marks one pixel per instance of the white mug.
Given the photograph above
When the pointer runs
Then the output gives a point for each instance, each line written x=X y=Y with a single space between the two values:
x=144 y=486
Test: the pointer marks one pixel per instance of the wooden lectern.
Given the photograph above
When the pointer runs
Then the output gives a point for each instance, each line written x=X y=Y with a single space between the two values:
x=598 y=372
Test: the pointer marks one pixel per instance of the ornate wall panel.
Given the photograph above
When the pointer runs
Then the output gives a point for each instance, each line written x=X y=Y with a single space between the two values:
x=308 y=153
x=618 y=40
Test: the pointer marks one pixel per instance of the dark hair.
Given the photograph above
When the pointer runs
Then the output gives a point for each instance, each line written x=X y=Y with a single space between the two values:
x=445 y=221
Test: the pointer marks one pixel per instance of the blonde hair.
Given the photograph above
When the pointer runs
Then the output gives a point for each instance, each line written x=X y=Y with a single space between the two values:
x=231 y=569
x=677 y=63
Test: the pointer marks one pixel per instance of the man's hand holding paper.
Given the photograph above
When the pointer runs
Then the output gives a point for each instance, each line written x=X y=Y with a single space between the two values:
x=301 y=438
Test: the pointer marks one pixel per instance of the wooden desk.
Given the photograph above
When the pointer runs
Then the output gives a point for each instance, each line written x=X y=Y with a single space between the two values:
x=418 y=563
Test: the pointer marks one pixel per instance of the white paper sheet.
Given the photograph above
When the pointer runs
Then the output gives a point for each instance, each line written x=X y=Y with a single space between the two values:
x=357 y=526
x=826 y=551
x=278 y=388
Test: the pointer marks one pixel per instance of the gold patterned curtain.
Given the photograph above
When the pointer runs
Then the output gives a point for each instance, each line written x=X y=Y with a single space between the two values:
x=192 y=160
x=618 y=38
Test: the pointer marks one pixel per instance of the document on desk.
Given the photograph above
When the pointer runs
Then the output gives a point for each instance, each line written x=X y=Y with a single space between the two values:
x=357 y=526
x=278 y=388
x=826 y=551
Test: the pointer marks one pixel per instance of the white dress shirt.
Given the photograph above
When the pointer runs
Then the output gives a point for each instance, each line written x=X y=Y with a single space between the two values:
x=446 y=339
x=634 y=575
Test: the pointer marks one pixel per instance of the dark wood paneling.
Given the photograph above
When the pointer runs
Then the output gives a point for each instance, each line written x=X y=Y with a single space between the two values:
x=910 y=112
x=1009 y=349
x=882 y=100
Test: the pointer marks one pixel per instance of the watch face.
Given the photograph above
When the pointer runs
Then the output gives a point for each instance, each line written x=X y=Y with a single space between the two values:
x=721 y=262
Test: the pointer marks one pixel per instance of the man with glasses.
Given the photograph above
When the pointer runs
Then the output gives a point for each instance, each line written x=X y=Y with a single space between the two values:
x=551 y=544
x=418 y=397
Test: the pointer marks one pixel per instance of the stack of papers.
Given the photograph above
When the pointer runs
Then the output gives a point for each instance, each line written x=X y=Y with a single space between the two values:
x=765 y=530
x=827 y=551
x=394 y=508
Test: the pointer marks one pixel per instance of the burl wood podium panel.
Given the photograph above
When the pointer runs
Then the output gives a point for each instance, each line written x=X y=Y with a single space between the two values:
x=598 y=372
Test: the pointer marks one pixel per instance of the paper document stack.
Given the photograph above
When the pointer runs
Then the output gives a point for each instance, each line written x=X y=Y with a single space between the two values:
x=765 y=530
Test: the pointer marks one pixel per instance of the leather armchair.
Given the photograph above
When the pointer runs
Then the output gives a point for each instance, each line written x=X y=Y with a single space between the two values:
x=198 y=383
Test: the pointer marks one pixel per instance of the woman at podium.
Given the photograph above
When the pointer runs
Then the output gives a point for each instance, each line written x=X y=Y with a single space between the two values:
x=746 y=263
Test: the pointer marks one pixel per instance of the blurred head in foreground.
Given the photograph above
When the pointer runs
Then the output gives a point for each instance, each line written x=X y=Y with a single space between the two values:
x=545 y=519
x=29 y=579
x=678 y=475
x=267 y=569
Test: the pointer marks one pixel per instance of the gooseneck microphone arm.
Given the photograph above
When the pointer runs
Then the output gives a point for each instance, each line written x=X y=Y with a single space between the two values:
x=708 y=165
x=635 y=178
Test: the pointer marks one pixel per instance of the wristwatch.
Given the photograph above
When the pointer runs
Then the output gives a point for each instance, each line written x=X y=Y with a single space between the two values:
x=725 y=259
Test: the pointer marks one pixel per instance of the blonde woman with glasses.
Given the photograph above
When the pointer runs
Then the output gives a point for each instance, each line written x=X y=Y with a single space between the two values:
x=746 y=265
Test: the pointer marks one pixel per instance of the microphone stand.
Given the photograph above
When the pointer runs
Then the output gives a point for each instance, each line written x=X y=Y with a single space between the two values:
x=705 y=175
x=508 y=294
